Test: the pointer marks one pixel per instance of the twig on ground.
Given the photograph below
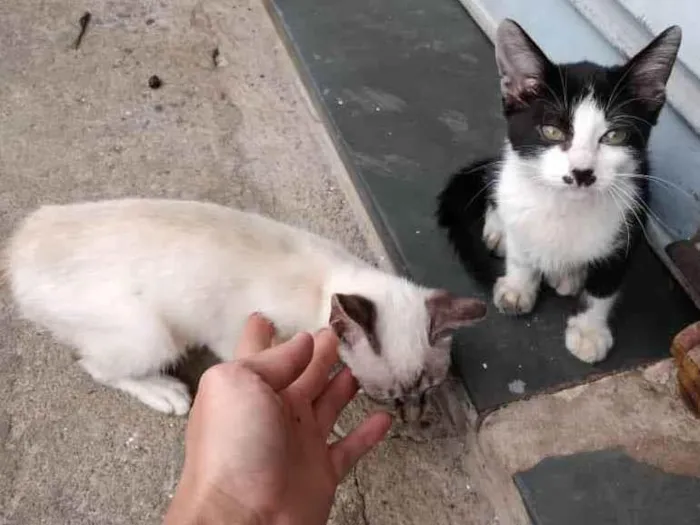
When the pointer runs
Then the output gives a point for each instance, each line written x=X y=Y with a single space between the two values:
x=84 y=21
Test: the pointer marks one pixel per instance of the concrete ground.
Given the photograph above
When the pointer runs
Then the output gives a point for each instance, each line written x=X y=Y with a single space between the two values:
x=77 y=124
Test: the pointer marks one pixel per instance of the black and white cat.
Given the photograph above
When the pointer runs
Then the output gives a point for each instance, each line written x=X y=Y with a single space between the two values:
x=565 y=200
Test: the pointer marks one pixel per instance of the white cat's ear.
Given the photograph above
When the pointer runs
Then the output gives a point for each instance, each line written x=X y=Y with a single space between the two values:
x=354 y=317
x=648 y=71
x=448 y=313
x=521 y=64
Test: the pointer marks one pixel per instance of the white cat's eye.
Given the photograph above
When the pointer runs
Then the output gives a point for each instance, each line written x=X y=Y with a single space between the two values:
x=552 y=133
x=614 y=137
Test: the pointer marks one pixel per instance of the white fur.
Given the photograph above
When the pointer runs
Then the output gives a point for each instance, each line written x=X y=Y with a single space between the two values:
x=555 y=229
x=588 y=335
x=493 y=232
x=516 y=292
x=131 y=283
x=567 y=282
x=586 y=152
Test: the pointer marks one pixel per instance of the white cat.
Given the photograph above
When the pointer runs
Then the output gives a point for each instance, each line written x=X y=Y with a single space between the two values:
x=133 y=283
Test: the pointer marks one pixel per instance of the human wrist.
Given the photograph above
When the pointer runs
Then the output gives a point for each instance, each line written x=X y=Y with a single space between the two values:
x=194 y=504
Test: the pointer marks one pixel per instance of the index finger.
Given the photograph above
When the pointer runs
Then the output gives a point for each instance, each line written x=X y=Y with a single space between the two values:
x=317 y=375
x=257 y=336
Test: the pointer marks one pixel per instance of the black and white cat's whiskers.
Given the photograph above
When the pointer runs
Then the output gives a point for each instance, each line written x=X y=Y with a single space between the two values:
x=567 y=200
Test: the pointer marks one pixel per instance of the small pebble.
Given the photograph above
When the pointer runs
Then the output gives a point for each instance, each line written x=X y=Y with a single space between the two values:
x=155 y=82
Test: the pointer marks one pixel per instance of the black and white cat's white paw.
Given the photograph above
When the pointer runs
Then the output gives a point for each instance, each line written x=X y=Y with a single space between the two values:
x=494 y=235
x=514 y=297
x=567 y=283
x=588 y=338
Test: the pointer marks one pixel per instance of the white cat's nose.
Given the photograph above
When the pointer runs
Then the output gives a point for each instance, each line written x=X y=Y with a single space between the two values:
x=583 y=178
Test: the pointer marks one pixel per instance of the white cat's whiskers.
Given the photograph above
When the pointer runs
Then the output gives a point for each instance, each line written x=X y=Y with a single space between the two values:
x=486 y=187
x=562 y=78
x=548 y=103
x=639 y=202
x=615 y=92
x=623 y=216
x=635 y=205
x=667 y=184
x=560 y=105
x=633 y=121
x=629 y=101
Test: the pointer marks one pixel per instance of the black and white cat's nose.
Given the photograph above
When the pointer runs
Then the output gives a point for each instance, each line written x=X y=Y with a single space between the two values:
x=583 y=178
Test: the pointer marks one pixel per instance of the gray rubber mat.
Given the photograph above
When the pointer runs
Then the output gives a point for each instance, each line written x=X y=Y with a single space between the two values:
x=607 y=487
x=409 y=92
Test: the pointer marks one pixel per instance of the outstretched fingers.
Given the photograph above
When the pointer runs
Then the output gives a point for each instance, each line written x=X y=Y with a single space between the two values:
x=257 y=336
x=281 y=365
x=334 y=399
x=348 y=451
x=315 y=378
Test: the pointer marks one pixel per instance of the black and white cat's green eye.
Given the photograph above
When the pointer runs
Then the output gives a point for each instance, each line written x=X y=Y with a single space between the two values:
x=614 y=137
x=552 y=133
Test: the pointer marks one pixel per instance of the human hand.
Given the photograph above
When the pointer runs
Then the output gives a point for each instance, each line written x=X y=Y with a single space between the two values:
x=256 y=446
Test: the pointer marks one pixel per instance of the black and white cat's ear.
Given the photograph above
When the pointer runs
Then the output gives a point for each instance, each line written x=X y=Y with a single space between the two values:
x=648 y=71
x=354 y=317
x=521 y=64
x=448 y=313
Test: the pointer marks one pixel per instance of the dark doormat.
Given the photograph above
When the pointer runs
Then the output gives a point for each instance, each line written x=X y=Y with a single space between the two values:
x=409 y=93
x=607 y=487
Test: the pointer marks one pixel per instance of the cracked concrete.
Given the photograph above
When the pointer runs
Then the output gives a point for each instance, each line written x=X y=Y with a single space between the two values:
x=639 y=411
x=77 y=124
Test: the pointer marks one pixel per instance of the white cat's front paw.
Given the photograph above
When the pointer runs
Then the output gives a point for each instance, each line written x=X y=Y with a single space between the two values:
x=161 y=393
x=587 y=339
x=514 y=298
x=567 y=283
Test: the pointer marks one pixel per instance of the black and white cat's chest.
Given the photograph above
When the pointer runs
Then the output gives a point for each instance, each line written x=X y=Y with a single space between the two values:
x=557 y=228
